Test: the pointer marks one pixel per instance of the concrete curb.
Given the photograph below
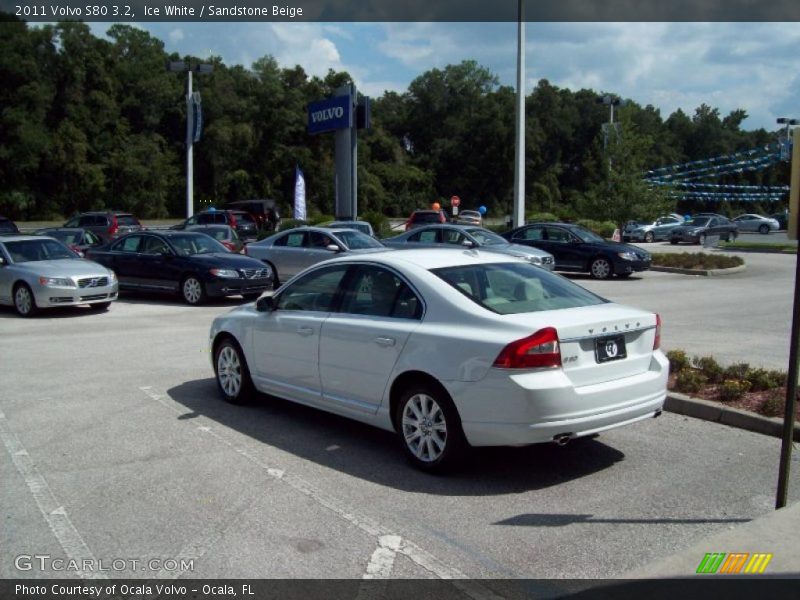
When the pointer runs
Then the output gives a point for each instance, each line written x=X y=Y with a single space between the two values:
x=759 y=250
x=704 y=272
x=719 y=413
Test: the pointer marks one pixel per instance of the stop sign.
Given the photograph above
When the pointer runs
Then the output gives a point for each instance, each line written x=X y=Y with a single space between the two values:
x=455 y=201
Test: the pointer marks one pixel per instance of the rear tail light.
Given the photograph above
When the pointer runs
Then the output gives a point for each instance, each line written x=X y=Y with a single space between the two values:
x=657 y=340
x=114 y=227
x=538 y=350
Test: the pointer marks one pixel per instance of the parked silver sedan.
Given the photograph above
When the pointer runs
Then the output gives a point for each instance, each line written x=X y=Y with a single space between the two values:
x=289 y=252
x=752 y=222
x=448 y=236
x=40 y=272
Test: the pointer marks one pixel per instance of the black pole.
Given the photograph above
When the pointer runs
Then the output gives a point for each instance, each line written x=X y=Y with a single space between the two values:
x=791 y=387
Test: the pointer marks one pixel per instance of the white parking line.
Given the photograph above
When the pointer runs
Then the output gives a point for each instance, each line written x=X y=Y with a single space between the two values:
x=382 y=560
x=55 y=514
x=416 y=554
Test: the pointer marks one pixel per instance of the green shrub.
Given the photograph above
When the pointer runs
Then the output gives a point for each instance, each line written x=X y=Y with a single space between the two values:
x=774 y=406
x=678 y=361
x=710 y=368
x=696 y=260
x=733 y=389
x=292 y=223
x=604 y=229
x=317 y=218
x=762 y=380
x=380 y=222
x=737 y=371
x=541 y=217
x=690 y=380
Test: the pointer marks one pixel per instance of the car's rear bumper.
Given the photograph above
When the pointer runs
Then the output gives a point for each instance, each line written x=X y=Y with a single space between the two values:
x=536 y=407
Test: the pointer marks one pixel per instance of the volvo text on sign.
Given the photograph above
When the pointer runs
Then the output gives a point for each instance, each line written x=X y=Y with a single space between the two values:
x=331 y=114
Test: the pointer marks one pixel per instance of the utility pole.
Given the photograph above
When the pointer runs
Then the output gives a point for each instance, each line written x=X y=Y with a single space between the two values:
x=519 y=150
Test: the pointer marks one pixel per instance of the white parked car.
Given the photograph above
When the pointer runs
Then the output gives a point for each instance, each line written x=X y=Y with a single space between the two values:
x=759 y=223
x=448 y=348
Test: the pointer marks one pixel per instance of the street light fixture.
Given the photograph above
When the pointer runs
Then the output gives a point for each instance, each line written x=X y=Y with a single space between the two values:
x=611 y=100
x=192 y=99
x=788 y=122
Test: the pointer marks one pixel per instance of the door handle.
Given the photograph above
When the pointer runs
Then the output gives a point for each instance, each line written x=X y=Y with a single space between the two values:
x=384 y=341
x=305 y=330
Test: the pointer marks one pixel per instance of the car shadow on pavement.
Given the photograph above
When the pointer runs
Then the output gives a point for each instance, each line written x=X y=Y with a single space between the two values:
x=562 y=520
x=57 y=312
x=174 y=299
x=375 y=455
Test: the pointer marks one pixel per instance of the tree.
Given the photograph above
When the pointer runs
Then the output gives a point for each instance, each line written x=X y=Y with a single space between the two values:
x=622 y=193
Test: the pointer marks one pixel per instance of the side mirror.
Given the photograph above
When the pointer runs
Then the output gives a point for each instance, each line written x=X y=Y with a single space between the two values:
x=265 y=303
x=2 y=262
x=468 y=244
x=333 y=248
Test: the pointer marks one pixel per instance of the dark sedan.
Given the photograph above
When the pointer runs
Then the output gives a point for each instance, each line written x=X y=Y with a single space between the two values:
x=191 y=264
x=698 y=229
x=579 y=250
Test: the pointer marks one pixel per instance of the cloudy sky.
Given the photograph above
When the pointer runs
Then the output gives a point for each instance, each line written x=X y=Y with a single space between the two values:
x=753 y=66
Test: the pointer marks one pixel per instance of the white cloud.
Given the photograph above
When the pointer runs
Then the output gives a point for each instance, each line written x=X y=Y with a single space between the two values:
x=176 y=35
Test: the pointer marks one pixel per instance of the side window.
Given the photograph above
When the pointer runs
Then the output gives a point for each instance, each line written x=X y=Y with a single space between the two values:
x=219 y=218
x=555 y=234
x=313 y=292
x=87 y=221
x=378 y=292
x=531 y=233
x=91 y=238
x=202 y=219
x=453 y=236
x=296 y=240
x=154 y=245
x=320 y=240
x=128 y=244
x=73 y=222
x=426 y=236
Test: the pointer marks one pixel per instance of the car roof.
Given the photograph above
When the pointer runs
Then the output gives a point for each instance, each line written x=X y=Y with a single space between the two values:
x=20 y=237
x=61 y=229
x=432 y=258
x=208 y=226
x=319 y=229
x=105 y=212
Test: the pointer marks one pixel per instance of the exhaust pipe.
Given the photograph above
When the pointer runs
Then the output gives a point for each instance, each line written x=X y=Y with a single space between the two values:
x=562 y=439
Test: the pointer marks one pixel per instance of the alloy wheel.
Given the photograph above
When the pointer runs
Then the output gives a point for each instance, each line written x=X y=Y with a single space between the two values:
x=601 y=268
x=229 y=371
x=23 y=301
x=192 y=290
x=424 y=428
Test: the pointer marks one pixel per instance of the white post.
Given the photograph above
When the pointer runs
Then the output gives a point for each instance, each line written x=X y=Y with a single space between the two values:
x=519 y=150
x=189 y=148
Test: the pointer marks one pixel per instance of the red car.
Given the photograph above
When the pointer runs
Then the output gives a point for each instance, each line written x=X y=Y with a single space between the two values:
x=425 y=217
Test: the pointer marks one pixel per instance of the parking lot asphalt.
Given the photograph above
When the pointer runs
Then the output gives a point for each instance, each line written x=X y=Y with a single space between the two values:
x=117 y=446
x=741 y=317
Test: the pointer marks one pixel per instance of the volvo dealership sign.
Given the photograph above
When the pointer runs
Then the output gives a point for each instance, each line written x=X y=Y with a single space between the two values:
x=330 y=114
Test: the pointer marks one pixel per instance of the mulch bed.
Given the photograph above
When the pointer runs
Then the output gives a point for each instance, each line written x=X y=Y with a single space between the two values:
x=756 y=402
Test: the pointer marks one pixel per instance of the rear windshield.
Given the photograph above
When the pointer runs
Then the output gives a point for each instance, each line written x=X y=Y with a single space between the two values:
x=426 y=218
x=68 y=237
x=243 y=216
x=7 y=226
x=128 y=220
x=513 y=288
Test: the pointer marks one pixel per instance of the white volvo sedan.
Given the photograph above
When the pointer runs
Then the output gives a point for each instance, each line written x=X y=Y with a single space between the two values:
x=448 y=348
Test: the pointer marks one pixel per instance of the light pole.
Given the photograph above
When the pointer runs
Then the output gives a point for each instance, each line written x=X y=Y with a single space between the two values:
x=192 y=100
x=794 y=338
x=518 y=215
x=611 y=101
x=788 y=123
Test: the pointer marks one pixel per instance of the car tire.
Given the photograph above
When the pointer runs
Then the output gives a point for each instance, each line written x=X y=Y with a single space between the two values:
x=100 y=306
x=276 y=282
x=232 y=373
x=192 y=290
x=423 y=414
x=601 y=268
x=701 y=239
x=649 y=237
x=673 y=241
x=763 y=229
x=24 y=301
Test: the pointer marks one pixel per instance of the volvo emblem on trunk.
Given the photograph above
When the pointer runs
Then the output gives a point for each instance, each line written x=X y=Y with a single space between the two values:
x=611 y=349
